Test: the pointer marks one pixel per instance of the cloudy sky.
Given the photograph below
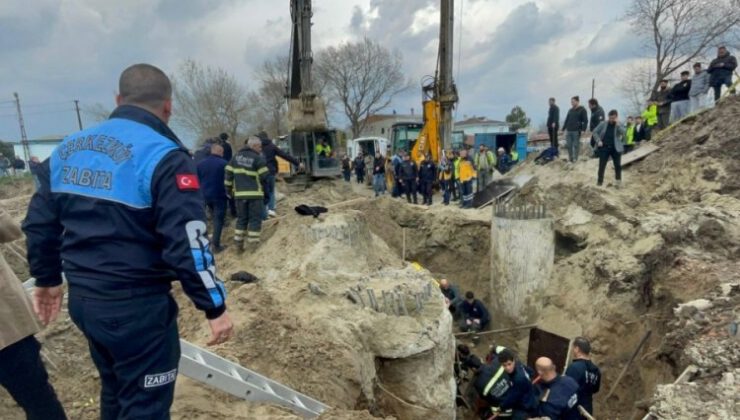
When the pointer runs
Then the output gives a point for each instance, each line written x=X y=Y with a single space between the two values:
x=514 y=52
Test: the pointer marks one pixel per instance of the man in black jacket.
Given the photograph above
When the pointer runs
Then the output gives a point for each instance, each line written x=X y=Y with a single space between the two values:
x=246 y=176
x=575 y=123
x=679 y=97
x=270 y=151
x=585 y=373
x=661 y=96
x=553 y=123
x=360 y=168
x=641 y=132
x=597 y=116
x=720 y=71
x=427 y=176
x=408 y=174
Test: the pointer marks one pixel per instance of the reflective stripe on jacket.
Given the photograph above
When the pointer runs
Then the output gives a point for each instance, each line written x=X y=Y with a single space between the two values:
x=245 y=174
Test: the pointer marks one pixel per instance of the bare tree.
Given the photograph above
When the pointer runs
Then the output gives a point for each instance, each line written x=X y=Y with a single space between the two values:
x=209 y=101
x=636 y=84
x=679 y=31
x=269 y=105
x=362 y=77
x=97 y=112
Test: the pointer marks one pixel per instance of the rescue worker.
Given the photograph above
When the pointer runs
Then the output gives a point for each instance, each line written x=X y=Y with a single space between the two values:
x=514 y=155
x=211 y=173
x=408 y=175
x=445 y=179
x=452 y=300
x=346 y=168
x=576 y=122
x=492 y=383
x=270 y=151
x=379 y=174
x=484 y=163
x=456 y=187
x=396 y=162
x=520 y=398
x=246 y=176
x=558 y=398
x=475 y=316
x=609 y=136
x=629 y=135
x=586 y=374
x=504 y=161
x=22 y=373
x=359 y=166
x=427 y=176
x=662 y=100
x=467 y=174
x=119 y=211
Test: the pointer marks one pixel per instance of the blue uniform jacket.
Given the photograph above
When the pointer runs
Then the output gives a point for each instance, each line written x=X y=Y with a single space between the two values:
x=521 y=395
x=475 y=311
x=211 y=173
x=562 y=402
x=588 y=377
x=120 y=212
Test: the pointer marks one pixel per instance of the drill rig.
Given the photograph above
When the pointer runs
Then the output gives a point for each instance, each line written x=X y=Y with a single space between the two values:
x=309 y=131
x=439 y=96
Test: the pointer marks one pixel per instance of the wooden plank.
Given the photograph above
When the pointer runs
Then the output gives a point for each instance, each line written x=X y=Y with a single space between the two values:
x=639 y=154
x=629 y=362
x=492 y=192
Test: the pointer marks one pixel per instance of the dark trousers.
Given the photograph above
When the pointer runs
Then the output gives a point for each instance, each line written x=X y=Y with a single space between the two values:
x=23 y=374
x=664 y=118
x=425 y=187
x=346 y=175
x=360 y=177
x=717 y=85
x=445 y=185
x=249 y=218
x=134 y=344
x=553 y=132
x=218 y=210
x=604 y=155
x=409 y=187
x=467 y=194
x=454 y=186
x=232 y=206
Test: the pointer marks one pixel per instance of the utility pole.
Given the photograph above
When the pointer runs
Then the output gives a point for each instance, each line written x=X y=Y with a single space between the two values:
x=593 y=88
x=77 y=108
x=24 y=137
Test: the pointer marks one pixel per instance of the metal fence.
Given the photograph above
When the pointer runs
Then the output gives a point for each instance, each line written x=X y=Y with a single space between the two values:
x=528 y=212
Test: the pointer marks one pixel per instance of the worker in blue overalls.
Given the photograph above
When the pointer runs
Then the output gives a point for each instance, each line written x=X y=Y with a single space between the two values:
x=120 y=212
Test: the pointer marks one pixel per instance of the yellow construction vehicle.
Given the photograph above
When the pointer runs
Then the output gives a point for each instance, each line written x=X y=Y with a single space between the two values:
x=439 y=96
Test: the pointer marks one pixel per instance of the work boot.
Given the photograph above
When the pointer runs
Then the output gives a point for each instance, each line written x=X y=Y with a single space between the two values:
x=217 y=249
x=416 y=201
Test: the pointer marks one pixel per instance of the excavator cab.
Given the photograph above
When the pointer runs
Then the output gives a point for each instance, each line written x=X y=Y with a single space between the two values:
x=404 y=136
x=316 y=149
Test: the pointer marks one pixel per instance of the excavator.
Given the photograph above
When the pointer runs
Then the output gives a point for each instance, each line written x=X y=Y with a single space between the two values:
x=439 y=96
x=310 y=140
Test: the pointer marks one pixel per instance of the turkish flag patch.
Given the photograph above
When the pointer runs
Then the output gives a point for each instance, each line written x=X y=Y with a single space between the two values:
x=187 y=182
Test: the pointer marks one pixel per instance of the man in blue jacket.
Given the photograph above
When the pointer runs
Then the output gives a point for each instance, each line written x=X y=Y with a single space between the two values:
x=271 y=151
x=558 y=398
x=585 y=373
x=211 y=173
x=475 y=316
x=120 y=212
x=520 y=398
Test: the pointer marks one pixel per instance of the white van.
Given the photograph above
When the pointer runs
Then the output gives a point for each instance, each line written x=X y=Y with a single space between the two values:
x=368 y=146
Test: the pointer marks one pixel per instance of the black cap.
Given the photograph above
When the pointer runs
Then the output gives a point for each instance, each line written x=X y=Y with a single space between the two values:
x=223 y=136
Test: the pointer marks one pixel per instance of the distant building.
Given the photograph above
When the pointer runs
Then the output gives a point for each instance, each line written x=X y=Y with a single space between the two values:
x=41 y=147
x=379 y=125
x=481 y=125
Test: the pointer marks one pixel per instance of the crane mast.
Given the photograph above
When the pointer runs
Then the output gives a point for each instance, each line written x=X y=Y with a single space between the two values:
x=446 y=91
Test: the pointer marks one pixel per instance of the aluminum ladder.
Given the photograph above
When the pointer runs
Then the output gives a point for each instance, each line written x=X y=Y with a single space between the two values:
x=211 y=369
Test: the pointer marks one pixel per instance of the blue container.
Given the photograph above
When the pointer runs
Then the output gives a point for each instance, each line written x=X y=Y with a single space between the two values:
x=487 y=139
x=522 y=139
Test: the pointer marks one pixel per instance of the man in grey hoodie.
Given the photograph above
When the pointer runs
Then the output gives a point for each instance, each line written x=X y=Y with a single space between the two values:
x=699 y=89
x=609 y=136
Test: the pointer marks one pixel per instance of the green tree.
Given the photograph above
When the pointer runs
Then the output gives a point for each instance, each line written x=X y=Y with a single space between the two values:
x=517 y=119
x=7 y=150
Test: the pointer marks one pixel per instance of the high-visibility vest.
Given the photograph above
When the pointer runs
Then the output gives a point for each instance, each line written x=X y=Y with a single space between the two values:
x=466 y=171
x=651 y=115
x=456 y=166
x=326 y=149
x=514 y=155
x=630 y=135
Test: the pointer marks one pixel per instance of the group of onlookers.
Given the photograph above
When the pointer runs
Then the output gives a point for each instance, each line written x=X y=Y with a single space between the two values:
x=244 y=183
x=458 y=174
